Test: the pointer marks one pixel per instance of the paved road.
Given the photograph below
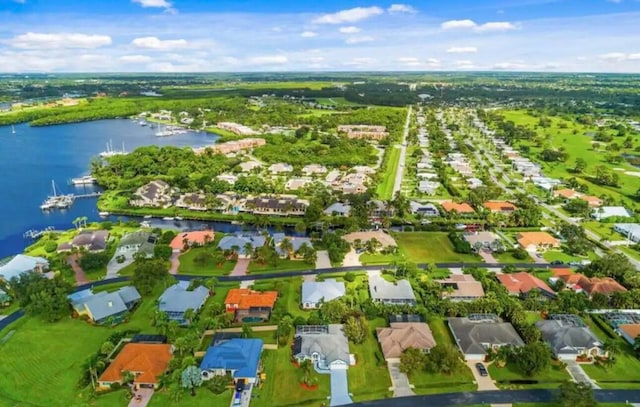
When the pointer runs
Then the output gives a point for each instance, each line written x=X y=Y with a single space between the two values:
x=496 y=397
x=403 y=155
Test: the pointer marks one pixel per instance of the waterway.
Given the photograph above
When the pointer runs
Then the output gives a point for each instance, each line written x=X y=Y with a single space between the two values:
x=34 y=156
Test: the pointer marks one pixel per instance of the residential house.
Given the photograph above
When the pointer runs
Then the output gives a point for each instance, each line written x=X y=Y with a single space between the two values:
x=192 y=239
x=177 y=299
x=461 y=287
x=154 y=194
x=105 y=307
x=546 y=183
x=314 y=169
x=250 y=306
x=236 y=128
x=428 y=187
x=92 y=241
x=427 y=209
x=280 y=168
x=605 y=212
x=146 y=361
x=459 y=208
x=630 y=332
x=477 y=334
x=324 y=345
x=21 y=264
x=523 y=283
x=569 y=338
x=503 y=207
x=592 y=285
x=249 y=166
x=239 y=243
x=283 y=205
x=404 y=335
x=296 y=244
x=314 y=293
x=230 y=178
x=237 y=357
x=294 y=184
x=566 y=194
x=480 y=241
x=474 y=183
x=631 y=231
x=338 y=209
x=388 y=293
x=593 y=201
x=139 y=242
x=379 y=209
x=192 y=201
x=537 y=241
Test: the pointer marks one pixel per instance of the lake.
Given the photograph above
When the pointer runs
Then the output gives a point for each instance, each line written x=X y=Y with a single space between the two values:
x=34 y=156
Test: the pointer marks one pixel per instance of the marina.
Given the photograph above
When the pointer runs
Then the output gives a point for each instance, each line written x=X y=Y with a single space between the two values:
x=171 y=131
x=110 y=152
x=84 y=180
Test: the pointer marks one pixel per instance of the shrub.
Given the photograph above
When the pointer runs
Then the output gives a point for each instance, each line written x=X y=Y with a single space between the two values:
x=459 y=244
x=50 y=246
x=350 y=277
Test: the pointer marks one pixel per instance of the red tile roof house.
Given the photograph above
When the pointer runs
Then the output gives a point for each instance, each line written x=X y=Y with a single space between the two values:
x=146 y=361
x=500 y=207
x=460 y=208
x=523 y=283
x=590 y=286
x=196 y=238
x=250 y=306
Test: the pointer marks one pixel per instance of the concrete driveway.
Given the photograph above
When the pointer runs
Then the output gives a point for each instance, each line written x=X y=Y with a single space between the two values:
x=484 y=383
x=487 y=257
x=339 y=388
x=323 y=262
x=578 y=374
x=399 y=381
x=145 y=397
x=351 y=259
x=240 y=269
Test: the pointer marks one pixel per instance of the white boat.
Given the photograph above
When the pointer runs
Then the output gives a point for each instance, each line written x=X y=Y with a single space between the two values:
x=167 y=218
x=179 y=218
x=142 y=123
x=13 y=129
x=145 y=224
x=84 y=180
x=103 y=214
x=148 y=217
x=57 y=201
x=110 y=152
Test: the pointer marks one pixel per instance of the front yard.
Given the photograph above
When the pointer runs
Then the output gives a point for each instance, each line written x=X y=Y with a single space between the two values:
x=550 y=378
x=430 y=247
x=188 y=265
x=283 y=265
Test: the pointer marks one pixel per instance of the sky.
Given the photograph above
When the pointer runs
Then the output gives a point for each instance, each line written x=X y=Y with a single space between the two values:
x=328 y=35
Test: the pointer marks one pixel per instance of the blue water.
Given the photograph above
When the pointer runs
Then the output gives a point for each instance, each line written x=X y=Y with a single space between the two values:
x=34 y=156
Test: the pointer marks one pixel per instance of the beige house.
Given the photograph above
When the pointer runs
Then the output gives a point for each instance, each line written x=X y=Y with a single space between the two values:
x=404 y=335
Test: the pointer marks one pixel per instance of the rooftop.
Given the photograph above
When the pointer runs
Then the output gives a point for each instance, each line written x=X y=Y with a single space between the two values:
x=150 y=360
x=246 y=298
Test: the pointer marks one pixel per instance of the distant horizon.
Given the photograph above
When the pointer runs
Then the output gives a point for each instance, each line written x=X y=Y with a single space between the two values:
x=198 y=36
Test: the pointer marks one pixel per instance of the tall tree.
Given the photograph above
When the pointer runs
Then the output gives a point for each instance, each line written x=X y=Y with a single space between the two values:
x=576 y=395
x=191 y=378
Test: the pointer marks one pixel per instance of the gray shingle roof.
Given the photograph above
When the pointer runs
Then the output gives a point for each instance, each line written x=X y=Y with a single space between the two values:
x=177 y=299
x=566 y=338
x=330 y=289
x=330 y=343
x=473 y=337
x=381 y=289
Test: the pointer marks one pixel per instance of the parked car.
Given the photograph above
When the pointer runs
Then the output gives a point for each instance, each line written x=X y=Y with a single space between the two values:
x=557 y=262
x=482 y=370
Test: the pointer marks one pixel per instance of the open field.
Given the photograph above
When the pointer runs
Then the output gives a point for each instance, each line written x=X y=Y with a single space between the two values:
x=283 y=265
x=385 y=188
x=188 y=265
x=429 y=247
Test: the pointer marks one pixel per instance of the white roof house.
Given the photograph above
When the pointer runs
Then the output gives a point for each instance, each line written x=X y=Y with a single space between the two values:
x=316 y=292
x=630 y=231
x=390 y=293
x=428 y=187
x=21 y=264
x=250 y=165
x=280 y=168
x=604 y=212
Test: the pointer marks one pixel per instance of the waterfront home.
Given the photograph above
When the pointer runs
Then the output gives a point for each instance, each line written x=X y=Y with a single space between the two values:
x=523 y=283
x=569 y=338
x=400 y=336
x=282 y=205
x=141 y=242
x=108 y=308
x=177 y=299
x=237 y=128
x=21 y=264
x=388 y=293
x=296 y=244
x=250 y=306
x=154 y=194
x=379 y=209
x=461 y=287
x=338 y=209
x=192 y=239
x=237 y=357
x=240 y=242
x=478 y=334
x=537 y=241
x=326 y=346
x=315 y=293
x=147 y=362
x=605 y=212
x=280 y=168
x=92 y=241
x=192 y=201
x=314 y=169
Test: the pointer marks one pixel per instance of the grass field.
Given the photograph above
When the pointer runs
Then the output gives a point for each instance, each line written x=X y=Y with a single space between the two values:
x=369 y=378
x=282 y=385
x=377 y=258
x=283 y=265
x=552 y=377
x=430 y=247
x=385 y=188
x=188 y=266
x=203 y=398
x=507 y=257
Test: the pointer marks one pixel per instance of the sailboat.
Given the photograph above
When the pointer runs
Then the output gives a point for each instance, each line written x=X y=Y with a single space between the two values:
x=13 y=129
x=110 y=152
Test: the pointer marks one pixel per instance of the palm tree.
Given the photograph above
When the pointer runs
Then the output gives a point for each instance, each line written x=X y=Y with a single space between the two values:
x=189 y=315
x=286 y=246
x=248 y=249
x=234 y=251
x=76 y=222
x=612 y=348
x=83 y=221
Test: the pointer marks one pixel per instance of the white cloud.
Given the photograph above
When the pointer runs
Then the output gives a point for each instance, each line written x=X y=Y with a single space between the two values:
x=359 y=40
x=433 y=62
x=135 y=59
x=401 y=8
x=618 y=56
x=309 y=34
x=32 y=40
x=470 y=24
x=457 y=24
x=462 y=50
x=349 y=16
x=158 y=44
x=349 y=30
x=407 y=59
x=154 y=3
x=633 y=56
x=268 y=60
x=509 y=66
x=362 y=61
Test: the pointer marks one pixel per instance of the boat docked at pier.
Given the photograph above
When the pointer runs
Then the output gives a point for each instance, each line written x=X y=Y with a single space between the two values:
x=84 y=180
x=171 y=131
x=110 y=152
x=57 y=201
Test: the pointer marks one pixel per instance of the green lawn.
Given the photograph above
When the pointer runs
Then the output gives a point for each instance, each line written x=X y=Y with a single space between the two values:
x=188 y=266
x=369 y=378
x=385 y=188
x=266 y=336
x=554 y=255
x=507 y=257
x=283 y=265
x=282 y=384
x=552 y=377
x=377 y=258
x=203 y=398
x=430 y=247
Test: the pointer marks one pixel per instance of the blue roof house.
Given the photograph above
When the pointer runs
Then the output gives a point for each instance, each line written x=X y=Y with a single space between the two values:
x=239 y=241
x=296 y=243
x=104 y=307
x=238 y=357
x=176 y=300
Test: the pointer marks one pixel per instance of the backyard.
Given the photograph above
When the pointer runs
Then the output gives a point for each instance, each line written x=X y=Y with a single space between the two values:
x=430 y=247
x=188 y=265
